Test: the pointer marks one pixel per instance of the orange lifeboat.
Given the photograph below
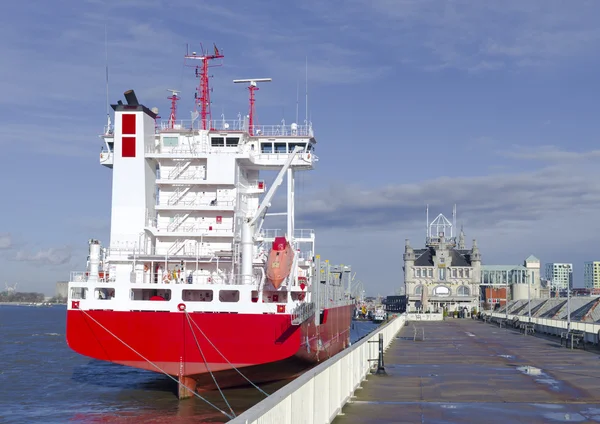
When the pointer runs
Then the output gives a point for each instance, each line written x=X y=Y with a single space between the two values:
x=281 y=259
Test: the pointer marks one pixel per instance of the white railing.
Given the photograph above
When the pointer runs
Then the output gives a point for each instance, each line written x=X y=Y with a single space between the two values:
x=270 y=233
x=199 y=202
x=197 y=229
x=179 y=168
x=283 y=156
x=318 y=395
x=557 y=326
x=292 y=130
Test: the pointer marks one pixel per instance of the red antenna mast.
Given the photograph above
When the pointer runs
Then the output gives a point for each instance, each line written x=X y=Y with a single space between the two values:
x=252 y=88
x=173 y=97
x=203 y=91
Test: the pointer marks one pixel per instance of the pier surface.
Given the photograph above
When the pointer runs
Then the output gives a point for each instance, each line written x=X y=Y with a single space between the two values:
x=469 y=371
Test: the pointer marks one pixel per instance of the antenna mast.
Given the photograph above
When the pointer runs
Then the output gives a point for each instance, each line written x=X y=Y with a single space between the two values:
x=203 y=92
x=252 y=88
x=173 y=97
x=107 y=101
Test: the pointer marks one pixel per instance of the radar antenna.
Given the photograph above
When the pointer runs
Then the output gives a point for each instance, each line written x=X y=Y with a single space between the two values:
x=252 y=88
x=203 y=91
x=173 y=97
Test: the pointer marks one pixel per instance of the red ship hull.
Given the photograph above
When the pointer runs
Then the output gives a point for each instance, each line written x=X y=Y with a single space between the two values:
x=265 y=347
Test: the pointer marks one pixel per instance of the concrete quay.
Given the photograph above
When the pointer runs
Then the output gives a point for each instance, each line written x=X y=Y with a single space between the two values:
x=467 y=371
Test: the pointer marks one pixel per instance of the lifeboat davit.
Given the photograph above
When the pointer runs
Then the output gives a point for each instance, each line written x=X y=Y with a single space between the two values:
x=281 y=259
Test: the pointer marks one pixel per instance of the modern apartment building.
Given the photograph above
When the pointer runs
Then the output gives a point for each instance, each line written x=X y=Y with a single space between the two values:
x=560 y=275
x=591 y=274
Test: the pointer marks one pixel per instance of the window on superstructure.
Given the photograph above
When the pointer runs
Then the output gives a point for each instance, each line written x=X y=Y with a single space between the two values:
x=292 y=146
x=217 y=141
x=280 y=147
x=232 y=141
x=266 y=148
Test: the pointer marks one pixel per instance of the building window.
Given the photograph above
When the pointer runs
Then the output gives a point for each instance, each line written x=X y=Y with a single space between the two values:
x=417 y=272
x=419 y=290
x=430 y=272
x=460 y=273
x=463 y=291
x=442 y=274
x=466 y=273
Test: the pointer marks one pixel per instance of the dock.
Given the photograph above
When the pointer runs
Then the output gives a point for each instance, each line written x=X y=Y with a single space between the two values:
x=463 y=370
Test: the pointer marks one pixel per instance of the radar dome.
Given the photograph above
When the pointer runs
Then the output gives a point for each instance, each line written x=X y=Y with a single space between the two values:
x=155 y=110
x=294 y=126
x=225 y=125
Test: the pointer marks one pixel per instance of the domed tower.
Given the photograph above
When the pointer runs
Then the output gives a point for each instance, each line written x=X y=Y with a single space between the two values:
x=476 y=265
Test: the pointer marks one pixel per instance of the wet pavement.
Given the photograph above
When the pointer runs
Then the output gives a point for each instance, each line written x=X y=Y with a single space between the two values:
x=467 y=371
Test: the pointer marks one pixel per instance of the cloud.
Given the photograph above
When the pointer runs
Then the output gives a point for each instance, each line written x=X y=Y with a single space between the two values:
x=50 y=256
x=5 y=241
x=549 y=154
x=471 y=36
x=484 y=201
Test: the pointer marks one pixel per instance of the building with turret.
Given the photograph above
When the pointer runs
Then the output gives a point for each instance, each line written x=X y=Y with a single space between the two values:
x=444 y=274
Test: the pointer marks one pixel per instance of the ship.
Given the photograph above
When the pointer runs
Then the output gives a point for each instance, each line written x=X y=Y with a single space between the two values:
x=190 y=284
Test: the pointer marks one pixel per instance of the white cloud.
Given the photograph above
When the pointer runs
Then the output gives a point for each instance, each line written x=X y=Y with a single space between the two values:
x=485 y=200
x=50 y=256
x=471 y=36
x=5 y=241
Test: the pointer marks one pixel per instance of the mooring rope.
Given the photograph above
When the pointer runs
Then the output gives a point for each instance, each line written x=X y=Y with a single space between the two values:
x=206 y=363
x=226 y=360
x=157 y=367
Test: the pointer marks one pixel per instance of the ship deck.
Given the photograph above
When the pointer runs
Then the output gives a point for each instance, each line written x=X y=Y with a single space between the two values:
x=469 y=371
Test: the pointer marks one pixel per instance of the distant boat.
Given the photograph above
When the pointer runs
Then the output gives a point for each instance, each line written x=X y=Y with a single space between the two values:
x=281 y=259
x=379 y=316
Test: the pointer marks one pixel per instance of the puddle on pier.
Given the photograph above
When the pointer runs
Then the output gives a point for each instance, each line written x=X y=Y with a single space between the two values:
x=540 y=376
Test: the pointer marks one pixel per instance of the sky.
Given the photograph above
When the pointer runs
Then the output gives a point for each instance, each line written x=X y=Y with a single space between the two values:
x=487 y=105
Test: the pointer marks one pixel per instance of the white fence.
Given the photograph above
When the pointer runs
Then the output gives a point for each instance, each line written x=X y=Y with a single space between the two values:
x=424 y=317
x=558 y=326
x=318 y=395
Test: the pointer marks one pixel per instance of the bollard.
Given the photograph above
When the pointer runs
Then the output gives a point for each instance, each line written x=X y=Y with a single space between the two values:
x=380 y=365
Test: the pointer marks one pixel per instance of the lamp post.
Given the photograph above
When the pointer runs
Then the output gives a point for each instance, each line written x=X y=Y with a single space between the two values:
x=506 y=298
x=568 y=306
x=528 y=278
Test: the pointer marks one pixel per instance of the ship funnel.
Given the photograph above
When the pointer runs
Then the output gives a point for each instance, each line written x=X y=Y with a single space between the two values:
x=131 y=98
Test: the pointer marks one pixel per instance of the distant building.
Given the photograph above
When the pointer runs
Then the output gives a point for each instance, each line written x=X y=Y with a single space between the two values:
x=522 y=282
x=560 y=275
x=591 y=274
x=445 y=274
x=62 y=288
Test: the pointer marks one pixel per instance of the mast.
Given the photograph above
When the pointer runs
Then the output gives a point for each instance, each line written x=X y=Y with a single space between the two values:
x=252 y=88
x=203 y=91
x=173 y=116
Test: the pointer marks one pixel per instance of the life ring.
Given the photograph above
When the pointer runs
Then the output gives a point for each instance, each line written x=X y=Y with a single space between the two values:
x=209 y=279
x=146 y=268
x=181 y=307
x=300 y=296
x=308 y=156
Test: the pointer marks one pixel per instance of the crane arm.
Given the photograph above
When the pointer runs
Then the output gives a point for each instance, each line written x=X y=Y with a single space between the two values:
x=266 y=202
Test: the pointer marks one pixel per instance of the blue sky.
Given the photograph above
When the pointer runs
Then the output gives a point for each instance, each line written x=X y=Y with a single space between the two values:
x=490 y=105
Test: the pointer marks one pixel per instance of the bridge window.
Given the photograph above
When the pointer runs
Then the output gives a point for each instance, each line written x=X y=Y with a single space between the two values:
x=232 y=141
x=280 y=148
x=292 y=146
x=463 y=291
x=266 y=147
x=217 y=141
x=170 y=141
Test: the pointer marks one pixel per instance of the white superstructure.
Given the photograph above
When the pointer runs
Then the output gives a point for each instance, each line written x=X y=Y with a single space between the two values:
x=188 y=206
